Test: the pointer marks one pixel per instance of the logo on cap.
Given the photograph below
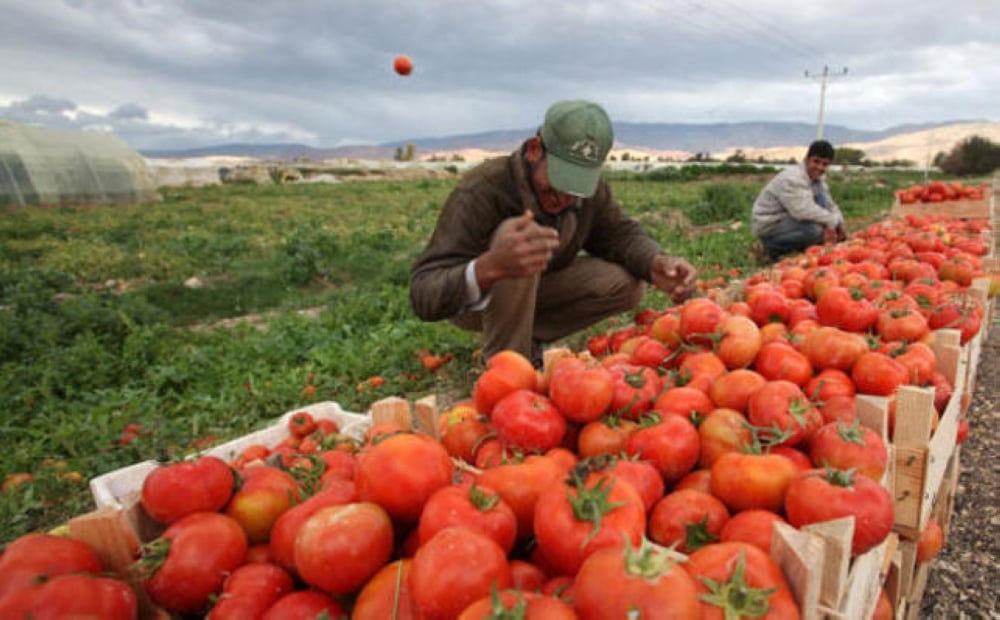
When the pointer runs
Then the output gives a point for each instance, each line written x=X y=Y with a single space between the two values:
x=586 y=149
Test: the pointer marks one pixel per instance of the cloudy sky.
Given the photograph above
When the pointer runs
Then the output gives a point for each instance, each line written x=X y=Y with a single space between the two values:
x=184 y=73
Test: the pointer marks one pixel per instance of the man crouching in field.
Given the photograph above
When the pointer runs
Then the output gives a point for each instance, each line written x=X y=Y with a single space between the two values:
x=795 y=209
x=505 y=257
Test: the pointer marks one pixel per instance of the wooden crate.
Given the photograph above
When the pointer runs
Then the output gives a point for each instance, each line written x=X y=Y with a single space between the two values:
x=906 y=580
x=816 y=559
x=920 y=458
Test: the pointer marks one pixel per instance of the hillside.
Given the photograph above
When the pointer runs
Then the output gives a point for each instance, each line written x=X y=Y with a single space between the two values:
x=668 y=140
x=919 y=147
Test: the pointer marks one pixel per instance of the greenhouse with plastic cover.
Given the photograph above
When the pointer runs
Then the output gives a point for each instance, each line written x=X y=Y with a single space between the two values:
x=42 y=166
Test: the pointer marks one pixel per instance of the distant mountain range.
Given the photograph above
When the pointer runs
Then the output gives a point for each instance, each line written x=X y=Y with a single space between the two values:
x=693 y=138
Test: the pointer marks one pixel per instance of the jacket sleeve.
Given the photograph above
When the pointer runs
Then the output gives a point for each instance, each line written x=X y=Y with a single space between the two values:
x=617 y=238
x=796 y=196
x=463 y=231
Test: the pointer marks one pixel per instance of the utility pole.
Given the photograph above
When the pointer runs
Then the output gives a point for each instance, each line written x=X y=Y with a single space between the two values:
x=822 y=95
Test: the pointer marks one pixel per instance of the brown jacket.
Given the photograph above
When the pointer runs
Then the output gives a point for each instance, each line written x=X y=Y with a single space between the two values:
x=499 y=189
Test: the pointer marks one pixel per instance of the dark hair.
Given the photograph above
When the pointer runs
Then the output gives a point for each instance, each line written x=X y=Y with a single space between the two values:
x=820 y=148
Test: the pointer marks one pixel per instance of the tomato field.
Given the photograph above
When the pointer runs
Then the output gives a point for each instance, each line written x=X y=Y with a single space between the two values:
x=653 y=430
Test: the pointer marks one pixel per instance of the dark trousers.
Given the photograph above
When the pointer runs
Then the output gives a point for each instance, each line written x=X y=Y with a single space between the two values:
x=791 y=236
x=550 y=306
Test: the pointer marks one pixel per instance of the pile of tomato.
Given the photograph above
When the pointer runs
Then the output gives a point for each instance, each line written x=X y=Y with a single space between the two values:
x=644 y=476
x=940 y=191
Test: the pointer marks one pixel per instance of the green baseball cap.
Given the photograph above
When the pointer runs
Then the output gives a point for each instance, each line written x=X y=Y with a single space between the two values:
x=577 y=136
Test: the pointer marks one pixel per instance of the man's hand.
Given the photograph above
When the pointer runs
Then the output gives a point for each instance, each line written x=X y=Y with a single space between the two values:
x=520 y=248
x=674 y=276
x=841 y=232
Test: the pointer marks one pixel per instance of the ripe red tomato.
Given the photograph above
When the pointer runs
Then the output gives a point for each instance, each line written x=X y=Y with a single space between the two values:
x=599 y=345
x=575 y=519
x=634 y=581
x=583 y=392
x=443 y=581
x=402 y=65
x=604 y=436
x=822 y=495
x=733 y=389
x=473 y=506
x=700 y=318
x=671 y=444
x=829 y=383
x=305 y=605
x=904 y=324
x=847 y=309
x=506 y=372
x=648 y=351
x=527 y=575
x=202 y=549
x=780 y=360
x=400 y=472
x=636 y=387
x=878 y=374
x=521 y=603
x=782 y=405
x=699 y=479
x=769 y=305
x=172 y=491
x=527 y=420
x=744 y=481
x=685 y=401
x=340 y=547
x=849 y=446
x=520 y=484
x=642 y=475
x=461 y=430
x=699 y=369
x=71 y=596
x=735 y=566
x=36 y=557
x=250 y=590
x=286 y=527
x=387 y=594
x=688 y=518
x=751 y=526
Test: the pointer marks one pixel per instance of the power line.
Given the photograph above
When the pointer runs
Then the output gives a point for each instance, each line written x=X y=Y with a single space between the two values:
x=822 y=94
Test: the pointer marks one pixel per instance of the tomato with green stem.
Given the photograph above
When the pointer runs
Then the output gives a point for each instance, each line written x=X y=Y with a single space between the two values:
x=739 y=580
x=575 y=518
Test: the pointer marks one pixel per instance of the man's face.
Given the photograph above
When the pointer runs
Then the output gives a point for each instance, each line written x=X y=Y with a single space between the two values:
x=816 y=166
x=551 y=200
